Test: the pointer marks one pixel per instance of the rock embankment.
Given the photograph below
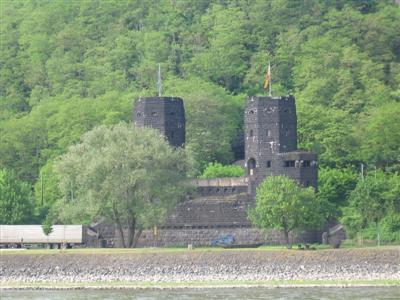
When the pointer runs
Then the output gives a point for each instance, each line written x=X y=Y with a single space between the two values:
x=199 y=265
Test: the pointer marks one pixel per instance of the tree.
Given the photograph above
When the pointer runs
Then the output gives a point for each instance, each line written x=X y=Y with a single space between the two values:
x=46 y=190
x=282 y=204
x=212 y=119
x=217 y=170
x=67 y=66
x=16 y=201
x=47 y=227
x=379 y=137
x=126 y=175
x=335 y=186
x=375 y=197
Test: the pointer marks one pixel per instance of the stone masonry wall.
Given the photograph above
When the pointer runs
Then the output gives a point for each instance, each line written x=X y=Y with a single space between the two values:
x=204 y=236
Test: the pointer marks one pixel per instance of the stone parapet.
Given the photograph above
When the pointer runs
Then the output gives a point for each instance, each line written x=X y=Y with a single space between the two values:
x=211 y=182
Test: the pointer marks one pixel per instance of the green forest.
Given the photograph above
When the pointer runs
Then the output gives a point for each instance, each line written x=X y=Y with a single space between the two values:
x=68 y=66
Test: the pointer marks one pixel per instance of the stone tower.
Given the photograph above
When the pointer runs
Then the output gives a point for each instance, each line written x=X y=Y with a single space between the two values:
x=166 y=114
x=271 y=142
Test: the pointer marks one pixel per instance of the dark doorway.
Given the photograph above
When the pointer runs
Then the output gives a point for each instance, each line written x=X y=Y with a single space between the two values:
x=251 y=166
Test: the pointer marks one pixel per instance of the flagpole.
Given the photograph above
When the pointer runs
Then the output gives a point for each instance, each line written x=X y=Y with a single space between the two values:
x=270 y=81
x=159 y=80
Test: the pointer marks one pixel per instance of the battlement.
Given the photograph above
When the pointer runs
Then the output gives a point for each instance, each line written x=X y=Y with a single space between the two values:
x=271 y=100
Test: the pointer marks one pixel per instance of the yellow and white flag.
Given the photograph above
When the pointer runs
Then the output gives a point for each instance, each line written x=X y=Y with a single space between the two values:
x=268 y=77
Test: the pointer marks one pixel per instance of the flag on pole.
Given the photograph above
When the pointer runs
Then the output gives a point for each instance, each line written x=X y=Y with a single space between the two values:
x=268 y=77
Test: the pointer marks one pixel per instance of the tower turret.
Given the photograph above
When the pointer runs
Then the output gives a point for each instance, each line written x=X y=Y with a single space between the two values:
x=271 y=142
x=166 y=114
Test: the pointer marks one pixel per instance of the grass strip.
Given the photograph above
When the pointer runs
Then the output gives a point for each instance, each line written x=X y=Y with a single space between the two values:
x=199 y=284
x=173 y=250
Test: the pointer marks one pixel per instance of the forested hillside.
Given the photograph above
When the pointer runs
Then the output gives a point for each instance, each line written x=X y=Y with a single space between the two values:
x=67 y=66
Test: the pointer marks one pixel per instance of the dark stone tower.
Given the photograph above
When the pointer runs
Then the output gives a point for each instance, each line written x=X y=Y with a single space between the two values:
x=165 y=114
x=271 y=142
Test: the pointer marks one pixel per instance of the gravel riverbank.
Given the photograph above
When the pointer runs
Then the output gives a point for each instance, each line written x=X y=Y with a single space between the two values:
x=202 y=266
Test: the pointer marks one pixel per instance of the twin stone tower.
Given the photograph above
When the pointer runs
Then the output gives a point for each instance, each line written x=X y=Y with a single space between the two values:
x=270 y=136
x=220 y=205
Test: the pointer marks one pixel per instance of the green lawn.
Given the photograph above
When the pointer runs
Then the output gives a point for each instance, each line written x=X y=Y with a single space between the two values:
x=200 y=284
x=319 y=247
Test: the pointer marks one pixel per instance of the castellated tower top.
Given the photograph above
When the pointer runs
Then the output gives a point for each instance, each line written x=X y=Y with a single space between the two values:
x=272 y=122
x=166 y=114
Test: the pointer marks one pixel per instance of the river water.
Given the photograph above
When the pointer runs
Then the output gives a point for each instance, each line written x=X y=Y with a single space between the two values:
x=220 y=294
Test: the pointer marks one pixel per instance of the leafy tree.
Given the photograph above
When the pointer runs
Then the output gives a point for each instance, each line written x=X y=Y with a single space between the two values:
x=47 y=227
x=326 y=132
x=375 y=197
x=16 y=205
x=212 y=119
x=379 y=138
x=127 y=175
x=335 y=186
x=224 y=60
x=67 y=66
x=217 y=170
x=282 y=204
x=46 y=191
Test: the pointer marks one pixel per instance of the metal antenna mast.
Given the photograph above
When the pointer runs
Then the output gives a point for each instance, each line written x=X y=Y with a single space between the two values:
x=159 y=80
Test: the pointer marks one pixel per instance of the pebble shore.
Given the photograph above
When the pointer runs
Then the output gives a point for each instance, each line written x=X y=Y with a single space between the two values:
x=207 y=266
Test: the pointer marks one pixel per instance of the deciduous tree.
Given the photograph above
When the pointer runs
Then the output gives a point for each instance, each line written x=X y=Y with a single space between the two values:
x=127 y=175
x=282 y=204
x=16 y=201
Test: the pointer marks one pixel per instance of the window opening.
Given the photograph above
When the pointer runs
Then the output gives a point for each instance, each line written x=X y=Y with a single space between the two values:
x=289 y=163
x=268 y=164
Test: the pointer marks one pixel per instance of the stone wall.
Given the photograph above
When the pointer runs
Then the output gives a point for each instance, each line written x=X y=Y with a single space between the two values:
x=214 y=210
x=225 y=182
x=204 y=236
x=211 y=210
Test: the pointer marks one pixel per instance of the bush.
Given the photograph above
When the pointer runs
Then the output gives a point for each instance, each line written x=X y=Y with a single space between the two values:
x=217 y=170
x=389 y=230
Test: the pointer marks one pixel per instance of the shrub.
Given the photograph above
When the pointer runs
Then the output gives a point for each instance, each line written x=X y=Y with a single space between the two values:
x=217 y=170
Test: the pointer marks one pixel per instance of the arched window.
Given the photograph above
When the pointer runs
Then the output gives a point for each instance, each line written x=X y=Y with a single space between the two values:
x=251 y=132
x=251 y=165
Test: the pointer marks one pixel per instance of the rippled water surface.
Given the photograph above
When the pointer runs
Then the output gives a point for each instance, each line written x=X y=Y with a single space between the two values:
x=220 y=294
